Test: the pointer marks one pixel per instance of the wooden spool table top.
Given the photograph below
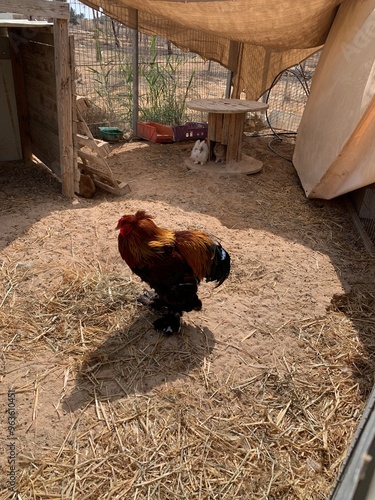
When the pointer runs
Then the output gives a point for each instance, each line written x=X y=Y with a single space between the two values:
x=226 y=106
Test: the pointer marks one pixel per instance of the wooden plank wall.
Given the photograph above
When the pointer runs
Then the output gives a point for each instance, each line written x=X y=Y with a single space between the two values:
x=38 y=61
x=42 y=8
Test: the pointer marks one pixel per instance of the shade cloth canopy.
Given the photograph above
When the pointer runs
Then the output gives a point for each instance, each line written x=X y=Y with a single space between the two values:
x=256 y=39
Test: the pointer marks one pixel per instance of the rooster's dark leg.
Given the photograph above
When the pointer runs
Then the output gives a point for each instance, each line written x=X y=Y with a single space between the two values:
x=169 y=324
x=194 y=304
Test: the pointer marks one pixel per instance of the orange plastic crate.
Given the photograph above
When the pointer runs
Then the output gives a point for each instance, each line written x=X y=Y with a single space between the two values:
x=155 y=132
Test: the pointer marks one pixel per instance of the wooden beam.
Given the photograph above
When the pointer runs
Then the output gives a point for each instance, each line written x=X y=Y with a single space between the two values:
x=64 y=105
x=84 y=141
x=100 y=165
x=234 y=54
x=74 y=113
x=40 y=8
x=235 y=63
x=121 y=189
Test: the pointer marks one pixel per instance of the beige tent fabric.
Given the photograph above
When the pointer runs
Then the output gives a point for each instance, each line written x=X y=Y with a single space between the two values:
x=335 y=147
x=256 y=39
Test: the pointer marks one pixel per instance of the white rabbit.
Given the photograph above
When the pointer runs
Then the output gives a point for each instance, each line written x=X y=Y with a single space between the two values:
x=199 y=153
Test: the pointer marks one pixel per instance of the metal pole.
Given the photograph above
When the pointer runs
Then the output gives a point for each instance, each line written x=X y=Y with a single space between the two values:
x=228 y=88
x=135 y=73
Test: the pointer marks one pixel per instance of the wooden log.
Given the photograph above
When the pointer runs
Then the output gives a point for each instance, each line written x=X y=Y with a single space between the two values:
x=101 y=179
x=100 y=147
x=103 y=146
x=94 y=162
x=85 y=167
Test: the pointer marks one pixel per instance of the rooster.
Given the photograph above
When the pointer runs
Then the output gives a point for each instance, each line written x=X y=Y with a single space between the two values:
x=172 y=263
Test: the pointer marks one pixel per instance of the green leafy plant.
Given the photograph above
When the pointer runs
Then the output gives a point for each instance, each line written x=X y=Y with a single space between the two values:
x=112 y=99
x=163 y=97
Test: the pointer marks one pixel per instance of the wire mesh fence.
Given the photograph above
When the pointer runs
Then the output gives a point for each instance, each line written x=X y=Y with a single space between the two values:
x=168 y=77
x=288 y=95
x=104 y=73
x=363 y=201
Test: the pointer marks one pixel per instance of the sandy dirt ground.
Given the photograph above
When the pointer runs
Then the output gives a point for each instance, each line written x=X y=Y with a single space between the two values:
x=283 y=341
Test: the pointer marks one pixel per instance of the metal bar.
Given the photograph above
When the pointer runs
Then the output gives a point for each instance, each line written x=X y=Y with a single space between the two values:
x=356 y=480
x=135 y=57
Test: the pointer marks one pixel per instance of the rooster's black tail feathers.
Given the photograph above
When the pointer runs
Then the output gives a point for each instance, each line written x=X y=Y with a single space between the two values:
x=220 y=267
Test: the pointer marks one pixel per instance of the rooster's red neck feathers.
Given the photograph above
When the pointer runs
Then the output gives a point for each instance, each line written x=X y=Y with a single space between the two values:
x=142 y=239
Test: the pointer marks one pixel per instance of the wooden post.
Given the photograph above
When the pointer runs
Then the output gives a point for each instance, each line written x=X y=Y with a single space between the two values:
x=74 y=114
x=64 y=105
x=234 y=63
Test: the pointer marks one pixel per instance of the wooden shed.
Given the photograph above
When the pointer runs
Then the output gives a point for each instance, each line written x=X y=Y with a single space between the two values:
x=39 y=118
x=37 y=96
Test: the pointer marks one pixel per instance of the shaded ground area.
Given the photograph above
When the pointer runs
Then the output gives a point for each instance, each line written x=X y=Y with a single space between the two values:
x=259 y=396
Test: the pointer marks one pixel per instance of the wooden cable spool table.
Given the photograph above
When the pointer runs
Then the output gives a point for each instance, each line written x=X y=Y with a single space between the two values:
x=226 y=119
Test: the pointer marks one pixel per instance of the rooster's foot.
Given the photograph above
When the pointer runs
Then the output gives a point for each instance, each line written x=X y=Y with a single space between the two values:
x=168 y=324
x=150 y=299
x=147 y=297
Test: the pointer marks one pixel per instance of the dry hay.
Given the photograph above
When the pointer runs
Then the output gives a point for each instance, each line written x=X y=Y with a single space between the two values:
x=260 y=395
x=79 y=307
x=282 y=433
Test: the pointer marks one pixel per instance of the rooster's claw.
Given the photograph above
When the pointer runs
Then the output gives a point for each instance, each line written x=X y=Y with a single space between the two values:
x=168 y=324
